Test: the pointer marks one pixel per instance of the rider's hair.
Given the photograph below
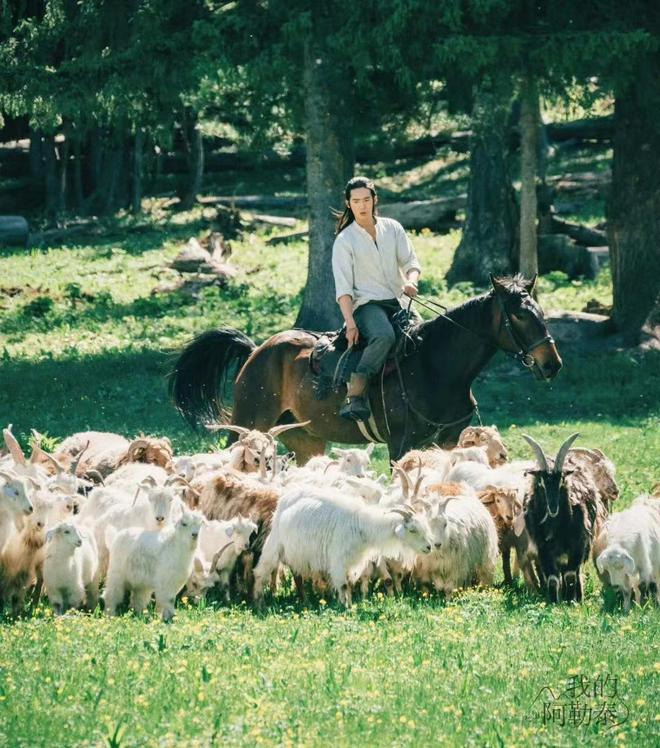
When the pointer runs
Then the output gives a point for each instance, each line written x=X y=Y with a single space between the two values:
x=347 y=217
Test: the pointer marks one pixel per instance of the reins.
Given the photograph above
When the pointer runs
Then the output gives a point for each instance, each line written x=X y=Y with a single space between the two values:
x=522 y=355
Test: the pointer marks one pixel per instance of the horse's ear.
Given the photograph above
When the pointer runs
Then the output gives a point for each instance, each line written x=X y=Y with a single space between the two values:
x=529 y=285
x=497 y=284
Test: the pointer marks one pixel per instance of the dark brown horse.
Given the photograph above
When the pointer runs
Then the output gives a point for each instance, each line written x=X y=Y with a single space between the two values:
x=426 y=398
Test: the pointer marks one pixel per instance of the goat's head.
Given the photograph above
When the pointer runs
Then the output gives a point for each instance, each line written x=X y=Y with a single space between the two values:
x=65 y=534
x=16 y=492
x=413 y=530
x=548 y=485
x=618 y=563
x=488 y=437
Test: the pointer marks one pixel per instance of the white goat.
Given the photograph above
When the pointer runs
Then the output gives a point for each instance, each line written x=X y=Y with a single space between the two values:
x=70 y=568
x=15 y=503
x=631 y=556
x=143 y=562
x=129 y=476
x=221 y=542
x=465 y=541
x=159 y=506
x=319 y=532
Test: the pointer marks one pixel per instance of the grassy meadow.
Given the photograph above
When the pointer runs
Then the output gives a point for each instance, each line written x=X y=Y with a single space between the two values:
x=84 y=344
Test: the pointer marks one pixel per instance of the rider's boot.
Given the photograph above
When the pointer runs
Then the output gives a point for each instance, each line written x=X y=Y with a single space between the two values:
x=356 y=405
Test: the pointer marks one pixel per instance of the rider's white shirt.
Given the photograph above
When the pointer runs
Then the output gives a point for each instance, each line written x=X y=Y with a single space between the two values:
x=371 y=271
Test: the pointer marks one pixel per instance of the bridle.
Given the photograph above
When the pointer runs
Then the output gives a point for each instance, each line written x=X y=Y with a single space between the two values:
x=523 y=352
x=524 y=349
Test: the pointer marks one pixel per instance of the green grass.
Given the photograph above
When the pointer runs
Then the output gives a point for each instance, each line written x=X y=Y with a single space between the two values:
x=84 y=344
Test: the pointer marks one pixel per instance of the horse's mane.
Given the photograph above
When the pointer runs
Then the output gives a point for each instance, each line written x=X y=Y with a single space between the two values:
x=513 y=285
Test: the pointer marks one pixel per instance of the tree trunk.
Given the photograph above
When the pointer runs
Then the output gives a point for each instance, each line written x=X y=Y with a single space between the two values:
x=488 y=243
x=37 y=154
x=55 y=162
x=329 y=165
x=634 y=210
x=194 y=147
x=529 y=123
x=137 y=171
x=77 y=176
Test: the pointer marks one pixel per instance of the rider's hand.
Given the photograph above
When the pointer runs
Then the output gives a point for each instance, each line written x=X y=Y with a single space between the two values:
x=410 y=289
x=352 y=335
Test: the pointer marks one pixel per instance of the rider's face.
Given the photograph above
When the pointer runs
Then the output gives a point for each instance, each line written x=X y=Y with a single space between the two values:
x=361 y=203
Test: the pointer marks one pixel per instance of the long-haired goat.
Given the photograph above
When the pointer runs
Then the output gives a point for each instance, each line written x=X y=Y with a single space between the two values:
x=563 y=515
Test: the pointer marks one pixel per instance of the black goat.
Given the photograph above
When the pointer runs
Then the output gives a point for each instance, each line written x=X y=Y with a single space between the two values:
x=563 y=515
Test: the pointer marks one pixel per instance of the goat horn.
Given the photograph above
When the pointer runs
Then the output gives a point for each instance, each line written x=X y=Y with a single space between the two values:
x=240 y=430
x=277 y=430
x=57 y=465
x=95 y=474
x=219 y=553
x=418 y=482
x=36 y=447
x=148 y=480
x=8 y=476
x=563 y=451
x=330 y=464
x=538 y=451
x=405 y=481
x=404 y=512
x=13 y=446
x=139 y=442
x=76 y=462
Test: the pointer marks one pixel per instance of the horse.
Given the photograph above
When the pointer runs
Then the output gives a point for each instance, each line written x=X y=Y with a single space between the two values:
x=426 y=398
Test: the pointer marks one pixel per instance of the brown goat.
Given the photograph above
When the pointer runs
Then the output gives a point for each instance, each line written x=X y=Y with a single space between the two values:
x=151 y=450
x=225 y=494
x=488 y=437
x=503 y=505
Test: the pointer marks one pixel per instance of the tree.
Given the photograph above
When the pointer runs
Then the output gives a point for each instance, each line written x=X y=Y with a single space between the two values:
x=489 y=234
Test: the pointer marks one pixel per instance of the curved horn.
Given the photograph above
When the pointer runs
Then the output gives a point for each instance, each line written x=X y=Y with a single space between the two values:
x=403 y=511
x=13 y=446
x=538 y=451
x=56 y=464
x=8 y=476
x=95 y=474
x=148 y=480
x=330 y=464
x=36 y=446
x=219 y=553
x=563 y=451
x=277 y=430
x=76 y=462
x=240 y=430
x=418 y=482
x=406 y=485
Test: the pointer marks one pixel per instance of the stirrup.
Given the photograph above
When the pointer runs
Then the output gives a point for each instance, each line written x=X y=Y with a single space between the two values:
x=355 y=408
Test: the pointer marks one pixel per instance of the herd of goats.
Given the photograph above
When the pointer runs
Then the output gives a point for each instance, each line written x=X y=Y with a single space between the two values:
x=143 y=523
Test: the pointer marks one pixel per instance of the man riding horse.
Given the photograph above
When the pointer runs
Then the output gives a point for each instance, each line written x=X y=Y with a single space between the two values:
x=375 y=267
x=425 y=397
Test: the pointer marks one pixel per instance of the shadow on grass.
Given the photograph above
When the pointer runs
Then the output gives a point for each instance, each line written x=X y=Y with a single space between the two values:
x=126 y=391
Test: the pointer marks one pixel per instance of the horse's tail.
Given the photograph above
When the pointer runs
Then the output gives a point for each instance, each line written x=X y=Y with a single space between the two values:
x=203 y=374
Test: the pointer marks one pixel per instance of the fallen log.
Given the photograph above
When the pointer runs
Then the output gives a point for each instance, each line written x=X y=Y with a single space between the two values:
x=594 y=128
x=581 y=234
x=435 y=214
x=261 y=219
x=286 y=238
x=255 y=201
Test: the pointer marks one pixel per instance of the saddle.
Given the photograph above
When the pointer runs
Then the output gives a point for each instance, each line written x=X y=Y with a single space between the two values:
x=332 y=362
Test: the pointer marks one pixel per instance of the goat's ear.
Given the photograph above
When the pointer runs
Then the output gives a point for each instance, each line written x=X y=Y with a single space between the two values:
x=337 y=451
x=198 y=565
x=370 y=449
x=229 y=531
x=400 y=531
x=519 y=524
x=49 y=535
x=600 y=563
x=628 y=563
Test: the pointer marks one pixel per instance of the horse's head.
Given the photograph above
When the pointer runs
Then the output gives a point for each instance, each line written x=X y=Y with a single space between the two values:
x=520 y=327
